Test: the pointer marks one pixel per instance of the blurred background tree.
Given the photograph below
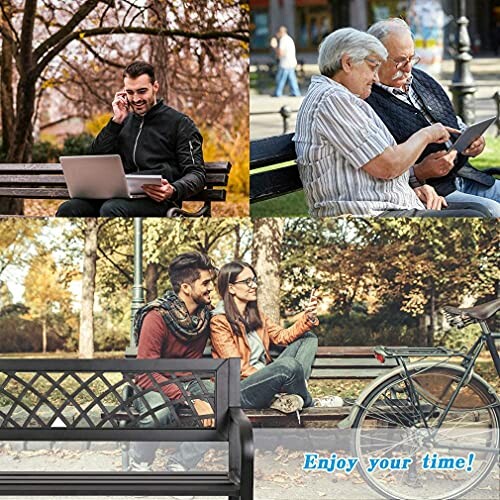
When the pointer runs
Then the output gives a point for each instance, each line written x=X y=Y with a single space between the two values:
x=62 y=62
x=382 y=281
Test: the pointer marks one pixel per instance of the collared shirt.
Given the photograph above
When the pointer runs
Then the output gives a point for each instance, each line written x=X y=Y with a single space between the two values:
x=337 y=134
x=413 y=99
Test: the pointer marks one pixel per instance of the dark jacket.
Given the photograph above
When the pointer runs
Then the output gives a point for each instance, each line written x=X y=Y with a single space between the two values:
x=403 y=120
x=163 y=141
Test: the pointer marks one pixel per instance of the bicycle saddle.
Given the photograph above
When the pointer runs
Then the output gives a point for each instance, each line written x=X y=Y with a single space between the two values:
x=480 y=312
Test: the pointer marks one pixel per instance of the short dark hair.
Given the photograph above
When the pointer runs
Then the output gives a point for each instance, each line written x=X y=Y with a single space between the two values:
x=186 y=267
x=138 y=68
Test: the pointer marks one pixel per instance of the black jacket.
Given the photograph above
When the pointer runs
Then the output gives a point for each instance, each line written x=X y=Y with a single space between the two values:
x=403 y=120
x=163 y=141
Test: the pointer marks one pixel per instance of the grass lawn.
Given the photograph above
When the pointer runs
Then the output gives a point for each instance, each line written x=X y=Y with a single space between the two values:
x=294 y=204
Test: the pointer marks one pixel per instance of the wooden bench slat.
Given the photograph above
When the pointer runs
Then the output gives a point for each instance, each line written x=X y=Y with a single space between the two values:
x=62 y=193
x=272 y=183
x=32 y=179
x=211 y=167
x=347 y=373
x=272 y=150
x=365 y=363
x=27 y=192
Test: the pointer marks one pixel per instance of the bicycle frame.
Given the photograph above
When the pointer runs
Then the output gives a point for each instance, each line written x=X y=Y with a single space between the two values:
x=486 y=338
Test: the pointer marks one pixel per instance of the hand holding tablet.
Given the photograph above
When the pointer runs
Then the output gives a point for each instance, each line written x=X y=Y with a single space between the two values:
x=471 y=134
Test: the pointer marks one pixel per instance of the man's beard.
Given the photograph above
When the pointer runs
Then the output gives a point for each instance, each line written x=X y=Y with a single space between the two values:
x=202 y=299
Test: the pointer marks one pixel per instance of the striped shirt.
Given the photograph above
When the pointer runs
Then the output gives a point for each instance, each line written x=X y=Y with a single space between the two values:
x=336 y=135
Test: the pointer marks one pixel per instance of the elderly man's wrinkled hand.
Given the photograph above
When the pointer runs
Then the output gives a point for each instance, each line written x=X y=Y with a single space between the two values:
x=436 y=164
x=427 y=194
x=476 y=148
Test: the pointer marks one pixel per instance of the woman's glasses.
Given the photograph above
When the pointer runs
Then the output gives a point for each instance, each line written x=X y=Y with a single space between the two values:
x=249 y=282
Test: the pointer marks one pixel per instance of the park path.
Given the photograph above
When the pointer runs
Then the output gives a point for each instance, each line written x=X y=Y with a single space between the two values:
x=485 y=71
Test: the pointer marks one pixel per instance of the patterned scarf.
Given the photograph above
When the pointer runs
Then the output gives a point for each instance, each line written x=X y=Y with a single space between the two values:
x=176 y=317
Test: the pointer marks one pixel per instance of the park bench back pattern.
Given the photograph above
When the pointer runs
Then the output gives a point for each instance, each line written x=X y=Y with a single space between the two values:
x=82 y=400
x=46 y=181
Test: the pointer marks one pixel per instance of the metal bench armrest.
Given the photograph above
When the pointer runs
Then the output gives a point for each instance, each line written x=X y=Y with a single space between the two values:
x=241 y=451
x=179 y=212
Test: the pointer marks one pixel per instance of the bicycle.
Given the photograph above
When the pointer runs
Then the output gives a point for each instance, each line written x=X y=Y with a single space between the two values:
x=433 y=409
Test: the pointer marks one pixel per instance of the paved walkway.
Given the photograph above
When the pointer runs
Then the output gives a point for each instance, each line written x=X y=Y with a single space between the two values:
x=486 y=72
x=278 y=466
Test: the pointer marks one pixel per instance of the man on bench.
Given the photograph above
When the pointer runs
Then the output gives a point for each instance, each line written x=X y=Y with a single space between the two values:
x=175 y=326
x=151 y=138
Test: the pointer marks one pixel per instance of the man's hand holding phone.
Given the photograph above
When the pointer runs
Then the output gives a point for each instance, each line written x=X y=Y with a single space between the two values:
x=121 y=107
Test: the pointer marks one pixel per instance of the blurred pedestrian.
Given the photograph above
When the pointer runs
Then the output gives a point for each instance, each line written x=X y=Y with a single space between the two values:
x=285 y=51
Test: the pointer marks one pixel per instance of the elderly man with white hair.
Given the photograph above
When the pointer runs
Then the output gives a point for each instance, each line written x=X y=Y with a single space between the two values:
x=349 y=162
x=407 y=99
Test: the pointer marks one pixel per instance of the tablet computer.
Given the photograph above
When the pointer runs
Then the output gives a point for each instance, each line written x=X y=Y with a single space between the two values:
x=469 y=135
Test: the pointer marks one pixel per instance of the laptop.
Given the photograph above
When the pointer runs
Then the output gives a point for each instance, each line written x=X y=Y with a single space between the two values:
x=102 y=177
x=469 y=135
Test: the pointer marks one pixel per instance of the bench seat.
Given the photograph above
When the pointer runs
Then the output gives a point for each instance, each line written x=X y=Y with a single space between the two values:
x=118 y=483
x=46 y=181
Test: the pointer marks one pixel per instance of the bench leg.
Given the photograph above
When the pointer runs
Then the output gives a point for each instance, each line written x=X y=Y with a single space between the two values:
x=125 y=449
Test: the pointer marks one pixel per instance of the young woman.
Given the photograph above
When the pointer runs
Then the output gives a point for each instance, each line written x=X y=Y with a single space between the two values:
x=239 y=329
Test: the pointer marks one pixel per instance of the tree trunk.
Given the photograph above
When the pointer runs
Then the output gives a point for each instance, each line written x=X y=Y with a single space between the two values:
x=266 y=258
x=151 y=281
x=431 y=328
x=6 y=83
x=44 y=335
x=86 y=338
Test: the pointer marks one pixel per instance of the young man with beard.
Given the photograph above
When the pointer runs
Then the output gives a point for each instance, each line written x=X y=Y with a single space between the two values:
x=151 y=138
x=175 y=326
x=408 y=100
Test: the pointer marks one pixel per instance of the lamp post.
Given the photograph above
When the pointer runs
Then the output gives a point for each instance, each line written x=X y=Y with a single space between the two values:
x=138 y=288
x=463 y=85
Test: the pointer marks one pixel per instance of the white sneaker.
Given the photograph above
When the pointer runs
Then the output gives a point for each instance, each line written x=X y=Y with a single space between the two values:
x=287 y=403
x=139 y=466
x=175 y=467
x=328 y=402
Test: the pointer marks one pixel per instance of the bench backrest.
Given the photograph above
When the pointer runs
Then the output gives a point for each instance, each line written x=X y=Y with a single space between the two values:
x=333 y=362
x=46 y=181
x=279 y=152
x=72 y=400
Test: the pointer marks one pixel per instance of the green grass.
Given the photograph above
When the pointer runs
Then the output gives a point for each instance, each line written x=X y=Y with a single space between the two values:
x=294 y=204
x=490 y=157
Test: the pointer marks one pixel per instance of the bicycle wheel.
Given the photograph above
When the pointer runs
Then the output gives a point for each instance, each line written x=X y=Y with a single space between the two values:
x=396 y=422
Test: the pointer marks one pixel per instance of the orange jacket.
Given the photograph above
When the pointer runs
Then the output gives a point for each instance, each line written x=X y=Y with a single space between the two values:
x=225 y=344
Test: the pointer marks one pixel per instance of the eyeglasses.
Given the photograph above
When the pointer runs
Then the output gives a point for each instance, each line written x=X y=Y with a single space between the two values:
x=401 y=63
x=248 y=282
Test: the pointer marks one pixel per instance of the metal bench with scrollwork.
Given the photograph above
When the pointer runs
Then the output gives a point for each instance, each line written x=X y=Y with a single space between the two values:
x=83 y=400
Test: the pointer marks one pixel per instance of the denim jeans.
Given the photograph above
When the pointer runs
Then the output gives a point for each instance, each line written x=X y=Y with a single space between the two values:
x=286 y=75
x=287 y=374
x=188 y=454
x=115 y=207
x=471 y=191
